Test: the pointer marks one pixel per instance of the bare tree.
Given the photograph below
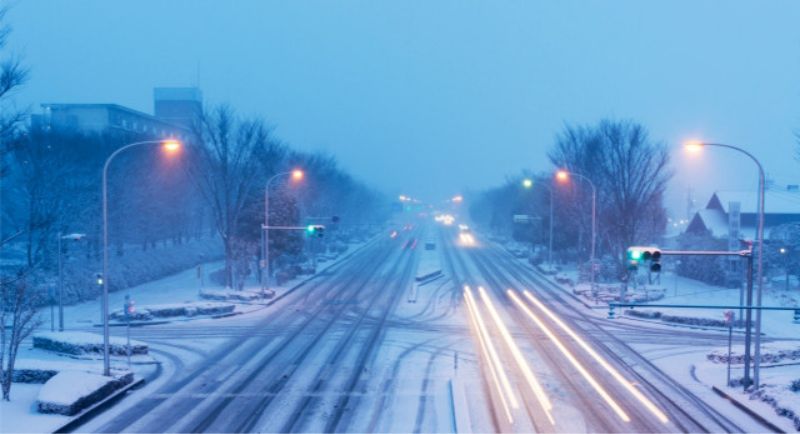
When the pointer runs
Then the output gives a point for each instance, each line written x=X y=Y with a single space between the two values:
x=226 y=166
x=12 y=75
x=631 y=173
x=17 y=310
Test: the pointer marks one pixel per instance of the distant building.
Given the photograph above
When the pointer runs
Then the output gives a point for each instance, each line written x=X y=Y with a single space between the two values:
x=176 y=111
x=735 y=213
x=178 y=105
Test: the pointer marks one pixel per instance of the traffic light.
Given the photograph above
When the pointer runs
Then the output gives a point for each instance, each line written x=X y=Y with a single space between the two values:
x=637 y=255
x=98 y=277
x=318 y=230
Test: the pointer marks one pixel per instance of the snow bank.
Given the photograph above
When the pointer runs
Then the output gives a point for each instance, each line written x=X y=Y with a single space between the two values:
x=429 y=265
x=146 y=313
x=69 y=392
x=82 y=342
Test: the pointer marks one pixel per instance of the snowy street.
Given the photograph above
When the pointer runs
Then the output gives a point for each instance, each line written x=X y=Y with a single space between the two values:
x=350 y=351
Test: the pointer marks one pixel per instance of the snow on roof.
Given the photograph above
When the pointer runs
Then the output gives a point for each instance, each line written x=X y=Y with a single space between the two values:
x=775 y=201
x=717 y=223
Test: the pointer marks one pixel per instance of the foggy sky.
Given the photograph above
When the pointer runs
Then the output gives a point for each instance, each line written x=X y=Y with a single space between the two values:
x=432 y=98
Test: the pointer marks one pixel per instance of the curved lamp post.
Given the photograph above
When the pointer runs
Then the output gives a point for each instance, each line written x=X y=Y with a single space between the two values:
x=695 y=146
x=563 y=176
x=296 y=175
x=169 y=146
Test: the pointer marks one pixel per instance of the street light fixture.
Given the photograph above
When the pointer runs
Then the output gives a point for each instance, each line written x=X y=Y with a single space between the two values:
x=563 y=176
x=527 y=183
x=695 y=146
x=169 y=146
x=297 y=175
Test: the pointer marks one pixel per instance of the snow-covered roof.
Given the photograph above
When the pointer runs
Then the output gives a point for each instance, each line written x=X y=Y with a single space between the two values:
x=716 y=222
x=776 y=201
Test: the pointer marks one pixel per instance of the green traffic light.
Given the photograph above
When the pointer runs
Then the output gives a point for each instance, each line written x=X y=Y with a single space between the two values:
x=635 y=255
x=310 y=229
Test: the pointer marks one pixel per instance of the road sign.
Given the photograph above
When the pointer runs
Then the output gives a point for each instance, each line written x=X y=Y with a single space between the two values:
x=730 y=317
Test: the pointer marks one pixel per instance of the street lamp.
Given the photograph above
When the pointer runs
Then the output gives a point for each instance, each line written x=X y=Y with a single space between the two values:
x=296 y=175
x=169 y=146
x=696 y=146
x=73 y=237
x=563 y=176
x=528 y=183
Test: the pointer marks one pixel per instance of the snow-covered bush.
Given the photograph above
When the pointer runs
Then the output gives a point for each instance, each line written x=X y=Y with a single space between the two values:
x=69 y=392
x=230 y=294
x=78 y=343
x=32 y=376
x=145 y=313
x=768 y=356
x=133 y=268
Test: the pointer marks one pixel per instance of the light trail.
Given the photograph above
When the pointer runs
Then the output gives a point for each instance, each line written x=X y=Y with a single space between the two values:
x=571 y=357
x=537 y=389
x=607 y=366
x=490 y=354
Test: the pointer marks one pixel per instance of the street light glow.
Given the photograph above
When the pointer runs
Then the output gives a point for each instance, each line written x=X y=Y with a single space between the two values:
x=171 y=146
x=562 y=175
x=297 y=174
x=527 y=183
x=693 y=146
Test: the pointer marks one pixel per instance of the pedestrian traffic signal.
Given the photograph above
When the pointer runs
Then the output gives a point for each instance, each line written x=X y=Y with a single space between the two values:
x=637 y=255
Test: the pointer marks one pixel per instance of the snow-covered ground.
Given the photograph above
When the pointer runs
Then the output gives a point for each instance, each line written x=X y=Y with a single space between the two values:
x=21 y=414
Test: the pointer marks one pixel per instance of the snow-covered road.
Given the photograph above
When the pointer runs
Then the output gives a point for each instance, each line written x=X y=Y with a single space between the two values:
x=362 y=349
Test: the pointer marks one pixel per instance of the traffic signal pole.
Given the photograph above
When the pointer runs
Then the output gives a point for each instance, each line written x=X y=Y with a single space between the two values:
x=748 y=308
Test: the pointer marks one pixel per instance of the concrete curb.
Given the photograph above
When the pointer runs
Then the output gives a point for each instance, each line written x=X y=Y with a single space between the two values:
x=757 y=417
x=99 y=407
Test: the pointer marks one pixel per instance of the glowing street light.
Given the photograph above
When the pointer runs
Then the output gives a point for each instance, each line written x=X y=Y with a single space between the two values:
x=169 y=146
x=562 y=176
x=527 y=183
x=695 y=146
x=458 y=198
x=297 y=175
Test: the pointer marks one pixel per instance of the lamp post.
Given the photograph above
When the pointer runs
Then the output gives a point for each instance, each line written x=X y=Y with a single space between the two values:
x=563 y=176
x=296 y=175
x=169 y=146
x=783 y=251
x=696 y=146
x=74 y=237
x=528 y=183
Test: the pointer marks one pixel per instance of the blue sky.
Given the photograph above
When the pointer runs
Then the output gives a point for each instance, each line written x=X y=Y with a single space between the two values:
x=432 y=98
